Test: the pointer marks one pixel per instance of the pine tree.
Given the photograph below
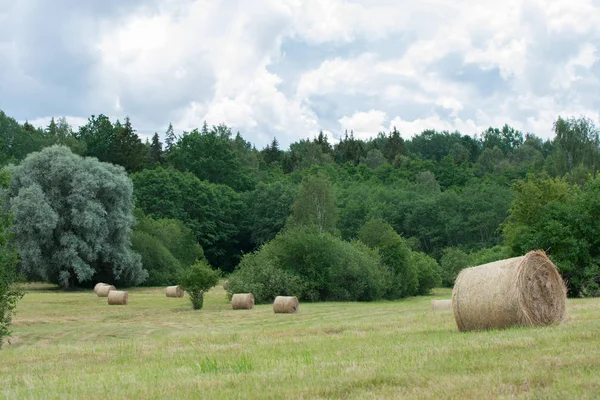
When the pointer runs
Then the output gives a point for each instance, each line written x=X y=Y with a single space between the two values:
x=170 y=139
x=156 y=152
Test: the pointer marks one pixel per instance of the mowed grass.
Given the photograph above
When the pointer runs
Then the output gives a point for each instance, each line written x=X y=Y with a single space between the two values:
x=73 y=345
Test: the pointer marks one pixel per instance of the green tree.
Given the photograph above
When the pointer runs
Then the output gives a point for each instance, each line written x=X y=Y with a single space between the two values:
x=198 y=279
x=9 y=292
x=126 y=148
x=208 y=154
x=268 y=207
x=73 y=219
x=170 y=139
x=156 y=151
x=212 y=212
x=315 y=205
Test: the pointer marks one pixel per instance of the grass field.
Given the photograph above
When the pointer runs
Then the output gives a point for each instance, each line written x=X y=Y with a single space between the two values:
x=73 y=345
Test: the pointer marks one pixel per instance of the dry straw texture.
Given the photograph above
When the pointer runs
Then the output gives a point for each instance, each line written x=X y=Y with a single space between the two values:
x=441 y=304
x=286 y=305
x=520 y=291
x=175 y=291
x=118 y=298
x=103 y=291
x=242 y=301
x=99 y=285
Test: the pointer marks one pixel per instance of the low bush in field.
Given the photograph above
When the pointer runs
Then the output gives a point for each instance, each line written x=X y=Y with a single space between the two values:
x=313 y=265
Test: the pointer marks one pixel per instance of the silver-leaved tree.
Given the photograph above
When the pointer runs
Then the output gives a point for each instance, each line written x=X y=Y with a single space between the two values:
x=73 y=219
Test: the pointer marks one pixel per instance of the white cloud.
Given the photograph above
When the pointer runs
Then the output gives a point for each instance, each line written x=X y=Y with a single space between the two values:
x=364 y=124
x=362 y=65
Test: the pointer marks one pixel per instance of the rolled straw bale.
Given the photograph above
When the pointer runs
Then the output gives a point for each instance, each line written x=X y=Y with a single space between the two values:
x=175 y=291
x=441 y=304
x=118 y=298
x=103 y=291
x=520 y=291
x=242 y=301
x=99 y=284
x=286 y=305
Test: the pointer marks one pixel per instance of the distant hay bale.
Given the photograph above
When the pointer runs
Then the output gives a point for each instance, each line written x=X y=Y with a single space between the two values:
x=286 y=305
x=520 y=291
x=242 y=301
x=118 y=298
x=441 y=304
x=98 y=285
x=175 y=291
x=103 y=291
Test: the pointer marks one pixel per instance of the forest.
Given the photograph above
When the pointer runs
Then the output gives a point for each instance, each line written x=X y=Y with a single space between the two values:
x=362 y=220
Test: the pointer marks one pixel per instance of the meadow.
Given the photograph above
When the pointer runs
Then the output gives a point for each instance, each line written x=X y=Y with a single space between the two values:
x=73 y=345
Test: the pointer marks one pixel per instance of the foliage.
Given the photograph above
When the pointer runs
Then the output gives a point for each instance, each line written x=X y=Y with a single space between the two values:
x=268 y=207
x=428 y=270
x=438 y=190
x=313 y=265
x=9 y=292
x=395 y=254
x=211 y=211
x=167 y=248
x=198 y=279
x=315 y=205
x=552 y=215
x=73 y=219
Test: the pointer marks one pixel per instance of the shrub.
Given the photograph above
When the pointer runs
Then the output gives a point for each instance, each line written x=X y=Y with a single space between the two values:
x=395 y=255
x=429 y=272
x=312 y=265
x=199 y=278
x=167 y=248
x=263 y=279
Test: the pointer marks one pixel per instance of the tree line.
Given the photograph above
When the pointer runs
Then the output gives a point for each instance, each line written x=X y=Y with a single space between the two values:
x=292 y=220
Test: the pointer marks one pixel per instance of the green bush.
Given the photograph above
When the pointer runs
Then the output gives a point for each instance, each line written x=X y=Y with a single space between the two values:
x=263 y=279
x=452 y=262
x=167 y=248
x=429 y=272
x=313 y=265
x=196 y=280
x=395 y=254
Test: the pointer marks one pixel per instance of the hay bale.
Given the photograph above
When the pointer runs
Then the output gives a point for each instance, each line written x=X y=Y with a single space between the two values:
x=520 y=291
x=175 y=291
x=118 y=298
x=286 y=305
x=441 y=304
x=103 y=291
x=98 y=285
x=242 y=301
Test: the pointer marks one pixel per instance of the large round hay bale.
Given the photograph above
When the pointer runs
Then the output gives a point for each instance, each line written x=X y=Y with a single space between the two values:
x=520 y=291
x=118 y=298
x=175 y=291
x=286 y=305
x=98 y=285
x=441 y=304
x=103 y=291
x=242 y=301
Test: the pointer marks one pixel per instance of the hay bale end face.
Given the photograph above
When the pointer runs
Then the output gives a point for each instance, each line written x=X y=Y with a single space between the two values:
x=286 y=305
x=441 y=304
x=520 y=291
x=175 y=291
x=118 y=298
x=242 y=301
x=98 y=285
x=103 y=291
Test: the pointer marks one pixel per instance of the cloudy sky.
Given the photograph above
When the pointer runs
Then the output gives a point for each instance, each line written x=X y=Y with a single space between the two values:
x=288 y=68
